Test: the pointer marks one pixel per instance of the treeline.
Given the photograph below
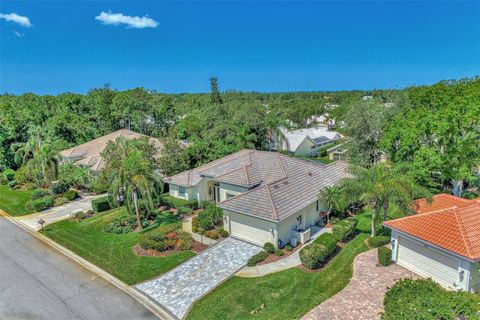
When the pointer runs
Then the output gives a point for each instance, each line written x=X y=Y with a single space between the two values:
x=435 y=129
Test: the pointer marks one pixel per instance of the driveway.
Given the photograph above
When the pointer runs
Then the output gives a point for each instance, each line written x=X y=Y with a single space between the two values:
x=178 y=289
x=38 y=282
x=58 y=213
x=362 y=298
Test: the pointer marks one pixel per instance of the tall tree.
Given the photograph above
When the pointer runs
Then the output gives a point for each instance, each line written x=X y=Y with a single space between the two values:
x=331 y=195
x=131 y=172
x=216 y=98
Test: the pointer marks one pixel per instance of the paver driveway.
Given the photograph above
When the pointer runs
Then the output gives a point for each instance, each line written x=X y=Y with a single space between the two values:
x=178 y=289
x=362 y=299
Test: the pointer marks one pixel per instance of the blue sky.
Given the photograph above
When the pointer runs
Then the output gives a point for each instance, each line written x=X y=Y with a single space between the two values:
x=249 y=46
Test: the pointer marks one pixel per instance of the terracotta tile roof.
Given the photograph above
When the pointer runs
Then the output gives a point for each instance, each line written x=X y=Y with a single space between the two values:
x=88 y=154
x=449 y=222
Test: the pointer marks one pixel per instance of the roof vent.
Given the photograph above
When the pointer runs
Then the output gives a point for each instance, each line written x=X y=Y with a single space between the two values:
x=310 y=174
x=285 y=183
x=276 y=186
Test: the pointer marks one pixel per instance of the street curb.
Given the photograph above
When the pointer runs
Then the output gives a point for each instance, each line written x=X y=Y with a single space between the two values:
x=149 y=304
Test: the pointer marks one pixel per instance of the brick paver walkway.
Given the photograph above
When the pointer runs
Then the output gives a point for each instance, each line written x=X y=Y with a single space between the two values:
x=362 y=299
x=179 y=288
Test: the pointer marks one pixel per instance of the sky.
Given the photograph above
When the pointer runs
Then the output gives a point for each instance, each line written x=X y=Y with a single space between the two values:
x=72 y=46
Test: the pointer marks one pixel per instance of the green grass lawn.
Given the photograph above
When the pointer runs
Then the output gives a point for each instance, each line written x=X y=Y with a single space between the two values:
x=111 y=252
x=13 y=201
x=287 y=294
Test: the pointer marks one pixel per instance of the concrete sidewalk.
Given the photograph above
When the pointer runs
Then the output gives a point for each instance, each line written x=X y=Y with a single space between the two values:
x=58 y=213
x=291 y=261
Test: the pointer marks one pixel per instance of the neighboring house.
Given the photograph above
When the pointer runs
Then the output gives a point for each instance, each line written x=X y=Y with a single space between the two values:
x=441 y=242
x=337 y=152
x=88 y=154
x=265 y=196
x=307 y=142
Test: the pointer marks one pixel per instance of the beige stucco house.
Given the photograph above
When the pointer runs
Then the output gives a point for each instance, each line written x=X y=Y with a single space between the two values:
x=441 y=241
x=265 y=196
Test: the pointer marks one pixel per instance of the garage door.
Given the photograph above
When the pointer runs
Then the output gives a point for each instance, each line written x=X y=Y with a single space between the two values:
x=250 y=229
x=427 y=262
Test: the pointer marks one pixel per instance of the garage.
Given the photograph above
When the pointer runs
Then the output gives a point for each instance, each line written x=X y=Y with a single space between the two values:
x=250 y=229
x=428 y=262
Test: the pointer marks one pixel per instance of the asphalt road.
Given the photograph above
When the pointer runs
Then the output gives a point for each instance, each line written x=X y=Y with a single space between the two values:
x=37 y=282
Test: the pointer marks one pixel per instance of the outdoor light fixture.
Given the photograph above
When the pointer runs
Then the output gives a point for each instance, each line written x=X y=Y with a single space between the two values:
x=461 y=275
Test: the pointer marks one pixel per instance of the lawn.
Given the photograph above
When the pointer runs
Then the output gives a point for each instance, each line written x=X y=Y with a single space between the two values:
x=111 y=252
x=284 y=295
x=13 y=201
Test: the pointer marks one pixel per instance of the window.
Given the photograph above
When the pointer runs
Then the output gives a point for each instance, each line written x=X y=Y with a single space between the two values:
x=229 y=195
x=318 y=206
x=181 y=191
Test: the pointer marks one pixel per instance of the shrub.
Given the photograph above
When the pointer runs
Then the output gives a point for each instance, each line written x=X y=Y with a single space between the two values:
x=122 y=224
x=39 y=193
x=173 y=202
x=3 y=180
x=163 y=240
x=425 y=299
x=83 y=214
x=101 y=204
x=378 y=241
x=345 y=229
x=71 y=195
x=203 y=204
x=384 y=256
x=22 y=175
x=210 y=217
x=194 y=224
x=12 y=184
x=223 y=233
x=288 y=247
x=184 y=211
x=165 y=218
x=28 y=186
x=58 y=187
x=259 y=257
x=9 y=174
x=279 y=252
x=269 y=247
x=60 y=201
x=40 y=204
x=185 y=240
x=212 y=234
x=318 y=253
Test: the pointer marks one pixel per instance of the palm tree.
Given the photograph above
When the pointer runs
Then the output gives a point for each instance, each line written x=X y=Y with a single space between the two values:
x=131 y=175
x=24 y=151
x=331 y=195
x=246 y=139
x=381 y=185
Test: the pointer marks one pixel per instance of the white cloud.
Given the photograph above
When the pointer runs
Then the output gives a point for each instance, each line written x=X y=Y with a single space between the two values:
x=13 y=17
x=18 y=34
x=131 y=22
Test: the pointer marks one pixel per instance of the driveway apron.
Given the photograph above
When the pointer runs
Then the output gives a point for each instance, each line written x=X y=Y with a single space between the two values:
x=178 y=289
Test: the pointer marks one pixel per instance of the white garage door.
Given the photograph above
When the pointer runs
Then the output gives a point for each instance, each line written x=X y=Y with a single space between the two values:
x=250 y=229
x=427 y=262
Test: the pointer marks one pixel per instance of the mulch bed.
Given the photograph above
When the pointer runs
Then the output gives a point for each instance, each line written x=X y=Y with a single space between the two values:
x=273 y=257
x=139 y=251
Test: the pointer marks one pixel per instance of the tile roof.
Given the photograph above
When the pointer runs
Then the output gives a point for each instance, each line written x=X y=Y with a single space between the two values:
x=449 y=222
x=88 y=154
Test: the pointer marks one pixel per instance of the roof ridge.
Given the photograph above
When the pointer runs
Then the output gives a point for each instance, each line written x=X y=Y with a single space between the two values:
x=421 y=214
x=274 y=209
x=281 y=164
x=462 y=227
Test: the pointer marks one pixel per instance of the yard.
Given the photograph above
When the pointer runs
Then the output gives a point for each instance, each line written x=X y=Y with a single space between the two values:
x=13 y=201
x=111 y=252
x=287 y=294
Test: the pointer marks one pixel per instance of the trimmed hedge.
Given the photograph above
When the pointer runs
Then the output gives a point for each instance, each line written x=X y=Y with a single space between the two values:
x=173 y=202
x=39 y=193
x=269 y=247
x=259 y=257
x=59 y=188
x=40 y=204
x=345 y=229
x=319 y=252
x=384 y=256
x=378 y=241
x=9 y=174
x=71 y=195
x=425 y=299
x=279 y=252
x=101 y=204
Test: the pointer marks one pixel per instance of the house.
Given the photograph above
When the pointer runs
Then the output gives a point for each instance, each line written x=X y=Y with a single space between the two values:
x=88 y=154
x=337 y=152
x=265 y=196
x=308 y=142
x=441 y=241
